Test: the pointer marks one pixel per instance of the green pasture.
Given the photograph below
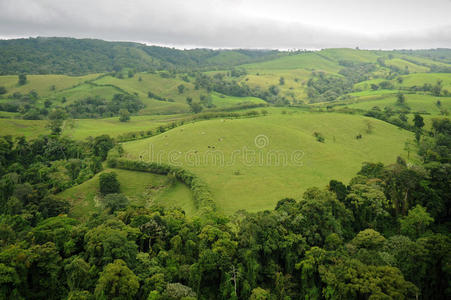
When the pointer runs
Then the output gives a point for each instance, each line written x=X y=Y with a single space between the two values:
x=256 y=183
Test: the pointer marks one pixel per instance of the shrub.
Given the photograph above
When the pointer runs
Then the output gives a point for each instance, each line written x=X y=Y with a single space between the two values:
x=114 y=202
x=108 y=183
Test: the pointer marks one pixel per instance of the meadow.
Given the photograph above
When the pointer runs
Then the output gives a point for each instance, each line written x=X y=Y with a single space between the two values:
x=291 y=160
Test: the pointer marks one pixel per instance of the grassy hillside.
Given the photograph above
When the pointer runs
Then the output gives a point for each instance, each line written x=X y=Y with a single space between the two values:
x=306 y=60
x=416 y=102
x=43 y=85
x=142 y=189
x=241 y=182
x=80 y=129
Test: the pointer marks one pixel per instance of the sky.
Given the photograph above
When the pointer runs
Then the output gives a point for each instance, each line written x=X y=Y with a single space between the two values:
x=275 y=24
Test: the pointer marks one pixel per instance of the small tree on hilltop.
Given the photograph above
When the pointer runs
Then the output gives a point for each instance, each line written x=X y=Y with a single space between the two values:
x=108 y=183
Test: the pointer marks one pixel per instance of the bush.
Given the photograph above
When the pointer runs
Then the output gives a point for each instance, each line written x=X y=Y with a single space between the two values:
x=114 y=202
x=108 y=183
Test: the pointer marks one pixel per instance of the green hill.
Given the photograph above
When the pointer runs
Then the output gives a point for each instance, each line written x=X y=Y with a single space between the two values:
x=255 y=185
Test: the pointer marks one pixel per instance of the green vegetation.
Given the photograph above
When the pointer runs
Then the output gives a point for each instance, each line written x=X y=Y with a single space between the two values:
x=339 y=157
x=139 y=172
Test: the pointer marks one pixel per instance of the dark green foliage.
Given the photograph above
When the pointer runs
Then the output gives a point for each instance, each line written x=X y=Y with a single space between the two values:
x=418 y=121
x=114 y=202
x=22 y=79
x=196 y=107
x=400 y=99
x=83 y=56
x=101 y=145
x=108 y=183
x=56 y=120
x=339 y=189
x=98 y=107
x=124 y=115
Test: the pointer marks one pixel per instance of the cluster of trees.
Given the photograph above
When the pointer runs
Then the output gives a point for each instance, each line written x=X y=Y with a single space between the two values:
x=397 y=118
x=31 y=172
x=26 y=104
x=355 y=71
x=436 y=89
x=228 y=85
x=96 y=107
x=322 y=87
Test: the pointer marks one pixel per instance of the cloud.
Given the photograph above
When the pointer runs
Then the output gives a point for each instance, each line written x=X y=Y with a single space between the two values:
x=212 y=23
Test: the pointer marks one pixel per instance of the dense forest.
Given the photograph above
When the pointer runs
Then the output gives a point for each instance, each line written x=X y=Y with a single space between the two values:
x=383 y=235
x=84 y=56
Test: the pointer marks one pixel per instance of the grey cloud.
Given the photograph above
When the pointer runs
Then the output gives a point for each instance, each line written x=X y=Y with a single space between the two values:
x=199 y=23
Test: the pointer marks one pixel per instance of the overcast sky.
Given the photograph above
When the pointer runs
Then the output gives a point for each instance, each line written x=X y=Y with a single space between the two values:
x=282 y=24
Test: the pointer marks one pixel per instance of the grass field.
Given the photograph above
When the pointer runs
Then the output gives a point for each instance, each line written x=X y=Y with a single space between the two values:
x=295 y=81
x=42 y=84
x=142 y=189
x=222 y=101
x=308 y=60
x=258 y=182
x=403 y=64
x=80 y=129
x=419 y=79
x=417 y=103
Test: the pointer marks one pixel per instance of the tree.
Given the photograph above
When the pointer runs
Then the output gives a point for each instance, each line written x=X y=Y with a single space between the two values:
x=114 y=202
x=101 y=145
x=400 y=99
x=117 y=281
x=124 y=115
x=437 y=88
x=47 y=103
x=181 y=88
x=22 y=79
x=281 y=81
x=260 y=294
x=418 y=121
x=56 y=120
x=108 y=183
x=416 y=222
x=2 y=90
x=77 y=272
x=196 y=107
x=175 y=291
x=189 y=100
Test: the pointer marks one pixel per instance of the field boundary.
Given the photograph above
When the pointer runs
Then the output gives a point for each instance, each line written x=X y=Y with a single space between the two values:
x=203 y=199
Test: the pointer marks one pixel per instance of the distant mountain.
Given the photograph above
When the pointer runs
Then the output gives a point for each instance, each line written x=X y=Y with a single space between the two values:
x=71 y=56
x=82 y=56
